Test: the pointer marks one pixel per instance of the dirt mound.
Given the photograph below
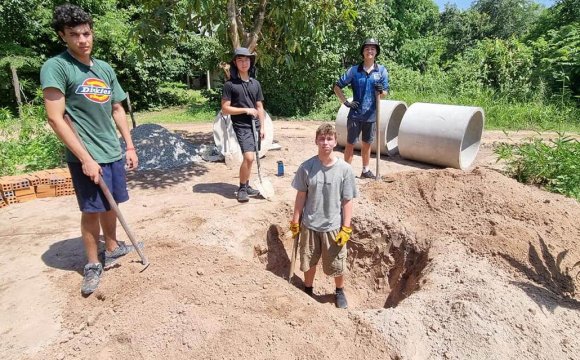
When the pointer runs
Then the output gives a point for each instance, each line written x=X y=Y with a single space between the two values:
x=443 y=264
x=476 y=263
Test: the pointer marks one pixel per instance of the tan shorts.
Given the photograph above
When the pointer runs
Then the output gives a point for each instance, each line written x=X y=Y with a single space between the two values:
x=314 y=244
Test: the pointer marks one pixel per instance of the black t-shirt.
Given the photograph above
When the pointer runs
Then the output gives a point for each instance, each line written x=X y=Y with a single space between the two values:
x=243 y=94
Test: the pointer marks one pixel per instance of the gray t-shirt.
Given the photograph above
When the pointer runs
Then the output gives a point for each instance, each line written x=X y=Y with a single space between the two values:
x=326 y=188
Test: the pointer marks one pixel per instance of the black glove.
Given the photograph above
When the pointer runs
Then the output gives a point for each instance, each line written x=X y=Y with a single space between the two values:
x=379 y=87
x=351 y=104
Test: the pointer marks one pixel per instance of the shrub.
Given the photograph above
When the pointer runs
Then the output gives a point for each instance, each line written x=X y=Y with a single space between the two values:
x=174 y=93
x=552 y=165
x=28 y=144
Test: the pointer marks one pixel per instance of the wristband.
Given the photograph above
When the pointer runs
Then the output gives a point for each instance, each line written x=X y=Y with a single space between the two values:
x=129 y=149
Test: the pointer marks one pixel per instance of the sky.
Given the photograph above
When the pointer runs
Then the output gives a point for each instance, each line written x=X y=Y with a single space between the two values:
x=464 y=4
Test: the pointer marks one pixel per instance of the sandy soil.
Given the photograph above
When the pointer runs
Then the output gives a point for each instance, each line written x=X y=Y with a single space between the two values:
x=444 y=264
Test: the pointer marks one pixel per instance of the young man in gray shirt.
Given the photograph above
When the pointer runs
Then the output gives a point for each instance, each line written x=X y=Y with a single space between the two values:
x=325 y=187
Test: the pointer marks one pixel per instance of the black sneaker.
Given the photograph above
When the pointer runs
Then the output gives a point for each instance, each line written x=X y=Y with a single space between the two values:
x=243 y=195
x=251 y=191
x=309 y=291
x=367 y=175
x=341 y=302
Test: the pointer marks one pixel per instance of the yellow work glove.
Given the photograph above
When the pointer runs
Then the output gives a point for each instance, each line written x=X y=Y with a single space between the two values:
x=295 y=228
x=343 y=235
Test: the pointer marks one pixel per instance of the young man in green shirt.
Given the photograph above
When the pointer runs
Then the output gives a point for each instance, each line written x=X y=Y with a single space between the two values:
x=87 y=90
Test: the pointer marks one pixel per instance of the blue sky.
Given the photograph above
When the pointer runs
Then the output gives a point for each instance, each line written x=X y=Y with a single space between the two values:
x=464 y=4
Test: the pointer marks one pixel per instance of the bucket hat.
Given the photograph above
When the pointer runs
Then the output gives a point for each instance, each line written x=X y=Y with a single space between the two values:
x=242 y=51
x=371 y=41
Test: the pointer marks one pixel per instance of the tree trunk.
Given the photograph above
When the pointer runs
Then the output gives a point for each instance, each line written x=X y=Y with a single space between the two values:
x=232 y=10
x=16 y=85
x=239 y=36
x=252 y=38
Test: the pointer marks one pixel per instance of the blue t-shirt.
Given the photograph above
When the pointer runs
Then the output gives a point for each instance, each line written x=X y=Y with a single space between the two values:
x=363 y=89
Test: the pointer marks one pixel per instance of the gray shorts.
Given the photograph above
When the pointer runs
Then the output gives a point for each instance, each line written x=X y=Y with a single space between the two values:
x=314 y=244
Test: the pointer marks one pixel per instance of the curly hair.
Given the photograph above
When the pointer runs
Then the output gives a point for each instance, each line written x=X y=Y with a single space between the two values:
x=68 y=15
x=326 y=129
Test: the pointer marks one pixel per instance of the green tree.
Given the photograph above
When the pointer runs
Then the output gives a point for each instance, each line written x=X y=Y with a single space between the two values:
x=556 y=43
x=508 y=17
x=461 y=30
x=502 y=65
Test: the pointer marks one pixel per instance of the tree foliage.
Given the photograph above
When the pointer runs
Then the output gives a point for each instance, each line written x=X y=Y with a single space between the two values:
x=511 y=48
x=508 y=17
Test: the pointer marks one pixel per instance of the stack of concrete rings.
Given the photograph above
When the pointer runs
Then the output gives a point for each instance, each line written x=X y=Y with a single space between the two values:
x=444 y=135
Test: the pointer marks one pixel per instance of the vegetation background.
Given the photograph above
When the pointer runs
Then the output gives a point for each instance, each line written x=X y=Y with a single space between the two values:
x=517 y=59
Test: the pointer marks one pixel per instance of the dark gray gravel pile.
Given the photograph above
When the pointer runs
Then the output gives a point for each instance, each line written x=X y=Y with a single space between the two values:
x=160 y=149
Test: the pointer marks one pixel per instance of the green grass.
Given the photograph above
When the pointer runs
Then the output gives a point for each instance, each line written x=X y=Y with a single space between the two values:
x=502 y=114
x=177 y=114
x=199 y=111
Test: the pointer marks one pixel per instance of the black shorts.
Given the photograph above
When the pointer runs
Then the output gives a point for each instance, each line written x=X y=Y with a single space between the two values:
x=245 y=136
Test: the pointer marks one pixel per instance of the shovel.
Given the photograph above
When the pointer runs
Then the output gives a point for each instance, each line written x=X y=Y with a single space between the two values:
x=264 y=186
x=293 y=260
x=112 y=202
x=378 y=124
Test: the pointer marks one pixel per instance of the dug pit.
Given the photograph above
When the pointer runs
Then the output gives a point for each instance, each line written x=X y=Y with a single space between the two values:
x=385 y=263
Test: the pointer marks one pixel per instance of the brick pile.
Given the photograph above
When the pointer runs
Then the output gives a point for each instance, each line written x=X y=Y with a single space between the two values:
x=40 y=184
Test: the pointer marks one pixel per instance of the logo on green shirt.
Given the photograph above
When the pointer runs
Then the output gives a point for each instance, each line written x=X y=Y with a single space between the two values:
x=96 y=90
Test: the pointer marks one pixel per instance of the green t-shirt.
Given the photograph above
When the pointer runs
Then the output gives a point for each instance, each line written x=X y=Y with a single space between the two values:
x=90 y=92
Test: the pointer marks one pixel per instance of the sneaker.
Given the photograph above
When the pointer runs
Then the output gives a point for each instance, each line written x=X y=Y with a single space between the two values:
x=91 y=277
x=341 y=302
x=367 y=175
x=243 y=195
x=309 y=291
x=111 y=257
x=251 y=191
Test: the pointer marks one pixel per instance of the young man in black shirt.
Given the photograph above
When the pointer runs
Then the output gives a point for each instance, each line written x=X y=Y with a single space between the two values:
x=242 y=99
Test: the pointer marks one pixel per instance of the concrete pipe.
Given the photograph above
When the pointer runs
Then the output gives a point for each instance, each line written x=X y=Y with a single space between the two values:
x=226 y=141
x=446 y=135
x=391 y=115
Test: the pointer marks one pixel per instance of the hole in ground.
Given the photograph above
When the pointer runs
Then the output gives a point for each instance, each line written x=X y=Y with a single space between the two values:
x=385 y=266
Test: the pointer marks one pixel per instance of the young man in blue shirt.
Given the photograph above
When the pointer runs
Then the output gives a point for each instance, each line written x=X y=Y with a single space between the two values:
x=365 y=79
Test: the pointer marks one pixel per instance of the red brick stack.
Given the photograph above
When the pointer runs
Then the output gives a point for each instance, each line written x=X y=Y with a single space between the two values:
x=40 y=184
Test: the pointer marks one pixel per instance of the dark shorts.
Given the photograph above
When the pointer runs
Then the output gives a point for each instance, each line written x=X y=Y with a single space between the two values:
x=354 y=129
x=245 y=136
x=89 y=195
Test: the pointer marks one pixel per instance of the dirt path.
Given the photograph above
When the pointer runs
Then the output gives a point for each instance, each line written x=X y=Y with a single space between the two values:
x=443 y=264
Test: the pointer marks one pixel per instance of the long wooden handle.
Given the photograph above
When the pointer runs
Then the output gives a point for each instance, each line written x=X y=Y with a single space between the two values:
x=293 y=260
x=130 y=108
x=111 y=200
x=378 y=131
